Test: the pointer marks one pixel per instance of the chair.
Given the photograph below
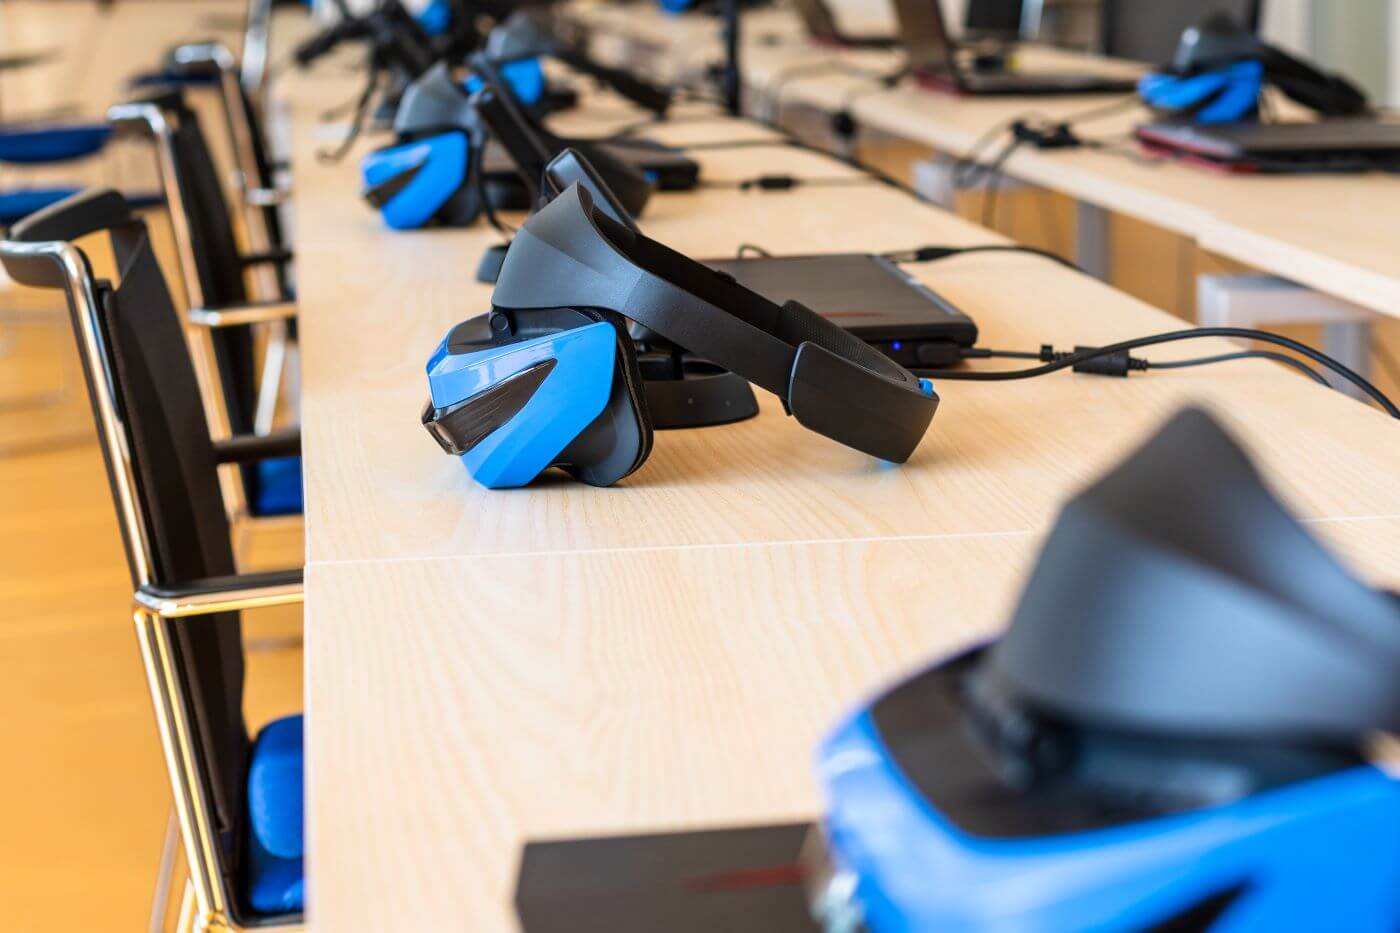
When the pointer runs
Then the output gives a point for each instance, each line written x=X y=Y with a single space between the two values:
x=213 y=269
x=237 y=799
x=255 y=173
x=1149 y=30
x=258 y=189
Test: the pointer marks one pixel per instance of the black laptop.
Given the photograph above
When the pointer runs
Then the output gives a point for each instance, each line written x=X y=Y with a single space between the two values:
x=934 y=60
x=867 y=295
x=1328 y=145
x=821 y=26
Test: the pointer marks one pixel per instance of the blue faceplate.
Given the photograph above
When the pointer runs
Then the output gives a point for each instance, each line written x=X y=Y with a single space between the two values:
x=676 y=6
x=436 y=17
x=525 y=76
x=441 y=165
x=1322 y=854
x=573 y=394
x=1224 y=95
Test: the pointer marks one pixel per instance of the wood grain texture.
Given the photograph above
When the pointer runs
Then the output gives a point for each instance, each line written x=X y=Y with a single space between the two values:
x=484 y=668
x=471 y=705
x=999 y=456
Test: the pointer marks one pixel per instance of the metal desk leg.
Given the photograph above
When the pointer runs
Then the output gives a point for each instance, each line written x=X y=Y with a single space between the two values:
x=1091 y=239
x=1263 y=300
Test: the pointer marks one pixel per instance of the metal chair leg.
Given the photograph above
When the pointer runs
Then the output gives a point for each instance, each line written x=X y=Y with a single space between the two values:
x=165 y=873
x=270 y=385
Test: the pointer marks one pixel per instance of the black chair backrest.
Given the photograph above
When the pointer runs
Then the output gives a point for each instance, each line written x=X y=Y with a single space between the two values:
x=216 y=255
x=146 y=362
x=1149 y=30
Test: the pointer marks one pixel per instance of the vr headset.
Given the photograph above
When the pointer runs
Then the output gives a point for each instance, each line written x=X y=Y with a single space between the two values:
x=549 y=378
x=434 y=173
x=1176 y=732
x=1220 y=70
x=524 y=35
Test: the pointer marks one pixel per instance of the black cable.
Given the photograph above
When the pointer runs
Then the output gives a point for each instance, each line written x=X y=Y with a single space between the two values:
x=500 y=226
x=728 y=144
x=1122 y=363
x=935 y=253
x=1388 y=362
x=1030 y=127
x=989 y=198
x=1283 y=358
x=787 y=183
x=356 y=122
x=745 y=248
x=772 y=91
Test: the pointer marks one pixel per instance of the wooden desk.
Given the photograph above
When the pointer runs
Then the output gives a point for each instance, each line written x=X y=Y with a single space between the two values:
x=1335 y=234
x=487 y=667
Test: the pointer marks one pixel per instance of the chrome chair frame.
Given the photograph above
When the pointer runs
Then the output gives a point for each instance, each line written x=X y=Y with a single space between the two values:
x=149 y=120
x=158 y=609
x=256 y=42
x=254 y=193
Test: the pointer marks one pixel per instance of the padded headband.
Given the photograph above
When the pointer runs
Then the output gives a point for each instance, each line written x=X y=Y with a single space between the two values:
x=571 y=255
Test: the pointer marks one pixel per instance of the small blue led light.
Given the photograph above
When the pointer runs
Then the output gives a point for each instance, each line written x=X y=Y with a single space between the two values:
x=896 y=346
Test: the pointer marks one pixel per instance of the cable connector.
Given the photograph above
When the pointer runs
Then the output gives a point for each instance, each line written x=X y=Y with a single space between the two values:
x=1117 y=364
x=843 y=125
x=922 y=254
x=770 y=183
x=1046 y=136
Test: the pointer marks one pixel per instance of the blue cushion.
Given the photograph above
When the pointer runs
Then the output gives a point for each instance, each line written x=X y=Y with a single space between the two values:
x=18 y=203
x=274 y=787
x=276 y=844
x=43 y=144
x=279 y=487
x=275 y=885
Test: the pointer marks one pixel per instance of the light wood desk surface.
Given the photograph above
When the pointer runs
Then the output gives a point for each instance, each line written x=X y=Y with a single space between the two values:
x=99 y=46
x=1336 y=234
x=488 y=667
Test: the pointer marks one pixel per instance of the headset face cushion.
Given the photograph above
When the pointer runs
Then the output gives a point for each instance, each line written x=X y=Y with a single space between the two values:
x=410 y=182
x=563 y=390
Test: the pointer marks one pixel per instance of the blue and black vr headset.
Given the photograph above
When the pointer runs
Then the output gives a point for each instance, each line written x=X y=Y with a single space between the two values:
x=1220 y=70
x=1179 y=731
x=430 y=174
x=435 y=174
x=549 y=378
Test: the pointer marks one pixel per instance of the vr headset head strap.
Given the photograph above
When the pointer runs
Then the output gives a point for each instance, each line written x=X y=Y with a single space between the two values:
x=569 y=254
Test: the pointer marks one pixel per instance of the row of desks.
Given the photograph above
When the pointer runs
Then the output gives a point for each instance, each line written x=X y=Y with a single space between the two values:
x=484 y=668
x=488 y=667
x=1334 y=234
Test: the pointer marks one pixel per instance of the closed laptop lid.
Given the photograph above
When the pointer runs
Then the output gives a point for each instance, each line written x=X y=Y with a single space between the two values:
x=1241 y=140
x=864 y=294
x=924 y=35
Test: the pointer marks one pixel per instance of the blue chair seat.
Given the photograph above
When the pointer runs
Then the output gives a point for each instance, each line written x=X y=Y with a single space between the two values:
x=18 y=203
x=33 y=145
x=278 y=487
x=276 y=880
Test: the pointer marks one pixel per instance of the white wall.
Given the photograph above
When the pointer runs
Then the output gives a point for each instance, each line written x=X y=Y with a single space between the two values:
x=1393 y=95
x=1360 y=38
